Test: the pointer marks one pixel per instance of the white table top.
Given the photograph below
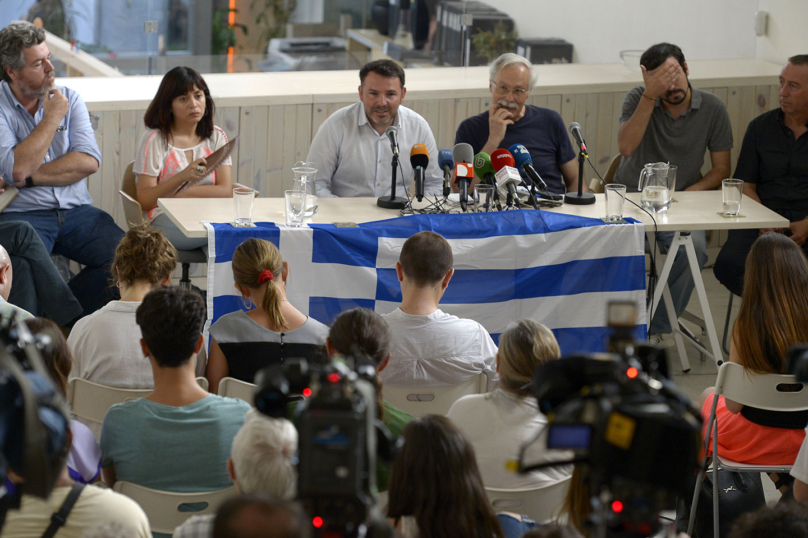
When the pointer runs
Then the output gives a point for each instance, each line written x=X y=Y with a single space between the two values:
x=692 y=211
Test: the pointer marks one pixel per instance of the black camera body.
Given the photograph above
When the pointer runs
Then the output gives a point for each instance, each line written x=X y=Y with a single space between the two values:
x=337 y=432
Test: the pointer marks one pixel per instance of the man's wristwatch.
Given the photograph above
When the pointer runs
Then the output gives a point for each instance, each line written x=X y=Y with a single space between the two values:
x=29 y=182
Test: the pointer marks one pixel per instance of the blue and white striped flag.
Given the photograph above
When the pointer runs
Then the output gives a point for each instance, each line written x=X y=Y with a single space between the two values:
x=557 y=269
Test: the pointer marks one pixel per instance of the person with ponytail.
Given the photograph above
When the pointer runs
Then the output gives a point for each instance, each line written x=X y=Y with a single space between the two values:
x=270 y=330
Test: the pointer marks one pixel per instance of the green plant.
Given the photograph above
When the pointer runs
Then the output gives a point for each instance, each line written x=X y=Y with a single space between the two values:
x=271 y=16
x=223 y=35
x=490 y=45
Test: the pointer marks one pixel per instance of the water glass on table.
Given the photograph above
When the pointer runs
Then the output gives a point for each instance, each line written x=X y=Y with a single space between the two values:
x=295 y=207
x=732 y=191
x=483 y=198
x=615 y=196
x=243 y=205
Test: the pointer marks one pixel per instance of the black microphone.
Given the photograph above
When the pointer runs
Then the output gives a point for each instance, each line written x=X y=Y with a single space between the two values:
x=464 y=170
x=575 y=129
x=446 y=163
x=392 y=134
x=419 y=159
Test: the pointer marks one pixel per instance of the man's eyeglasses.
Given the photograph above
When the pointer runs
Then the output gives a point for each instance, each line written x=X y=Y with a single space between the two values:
x=502 y=89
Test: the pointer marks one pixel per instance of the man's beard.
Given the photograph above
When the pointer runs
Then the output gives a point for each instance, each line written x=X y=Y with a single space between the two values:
x=677 y=101
x=506 y=104
x=37 y=93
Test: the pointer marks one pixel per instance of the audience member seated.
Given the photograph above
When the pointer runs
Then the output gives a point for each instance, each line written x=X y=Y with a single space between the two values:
x=364 y=330
x=84 y=459
x=94 y=506
x=435 y=486
x=258 y=516
x=576 y=507
x=260 y=462
x=783 y=520
x=106 y=344
x=800 y=474
x=7 y=310
x=432 y=348
x=773 y=316
x=172 y=152
x=244 y=342
x=500 y=422
x=178 y=438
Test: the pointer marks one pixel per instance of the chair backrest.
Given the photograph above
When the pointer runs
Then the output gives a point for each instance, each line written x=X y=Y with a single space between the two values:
x=595 y=184
x=91 y=401
x=538 y=503
x=235 y=388
x=420 y=401
x=168 y=510
x=131 y=207
x=760 y=390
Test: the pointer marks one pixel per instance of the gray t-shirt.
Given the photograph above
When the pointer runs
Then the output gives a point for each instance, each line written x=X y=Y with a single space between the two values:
x=681 y=142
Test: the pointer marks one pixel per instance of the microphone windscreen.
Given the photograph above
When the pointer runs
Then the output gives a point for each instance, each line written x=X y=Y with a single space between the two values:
x=391 y=129
x=575 y=125
x=482 y=165
x=463 y=153
x=445 y=158
x=502 y=158
x=520 y=155
x=419 y=156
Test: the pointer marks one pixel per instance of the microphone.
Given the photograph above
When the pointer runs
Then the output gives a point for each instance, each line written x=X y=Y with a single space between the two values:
x=507 y=175
x=446 y=163
x=464 y=172
x=419 y=159
x=524 y=162
x=575 y=129
x=484 y=169
x=392 y=134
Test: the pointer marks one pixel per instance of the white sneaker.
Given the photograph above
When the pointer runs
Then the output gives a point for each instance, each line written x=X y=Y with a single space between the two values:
x=657 y=340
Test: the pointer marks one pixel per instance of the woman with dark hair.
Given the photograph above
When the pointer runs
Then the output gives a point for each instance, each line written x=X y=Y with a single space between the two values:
x=172 y=151
x=362 y=330
x=435 y=487
x=773 y=316
x=84 y=459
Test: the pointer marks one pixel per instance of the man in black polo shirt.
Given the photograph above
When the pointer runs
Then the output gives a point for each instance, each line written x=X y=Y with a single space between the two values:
x=509 y=121
x=774 y=166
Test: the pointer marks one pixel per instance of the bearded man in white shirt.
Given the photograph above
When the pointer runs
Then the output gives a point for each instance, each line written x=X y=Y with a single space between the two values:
x=429 y=347
x=351 y=152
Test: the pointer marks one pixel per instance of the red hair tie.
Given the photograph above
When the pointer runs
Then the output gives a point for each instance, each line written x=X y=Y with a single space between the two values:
x=265 y=275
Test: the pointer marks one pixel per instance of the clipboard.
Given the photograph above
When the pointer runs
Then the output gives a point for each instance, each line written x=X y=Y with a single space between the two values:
x=214 y=161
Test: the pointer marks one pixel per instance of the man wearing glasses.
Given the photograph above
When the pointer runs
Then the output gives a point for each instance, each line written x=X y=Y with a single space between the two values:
x=510 y=121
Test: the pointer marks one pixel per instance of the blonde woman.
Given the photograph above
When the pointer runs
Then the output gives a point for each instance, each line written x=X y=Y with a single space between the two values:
x=244 y=342
x=499 y=422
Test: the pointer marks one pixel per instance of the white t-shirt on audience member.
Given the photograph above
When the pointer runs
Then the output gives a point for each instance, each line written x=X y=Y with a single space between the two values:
x=437 y=350
x=800 y=469
x=498 y=424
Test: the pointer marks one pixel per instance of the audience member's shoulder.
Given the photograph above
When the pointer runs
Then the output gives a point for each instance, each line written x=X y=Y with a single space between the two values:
x=116 y=507
x=231 y=405
x=470 y=401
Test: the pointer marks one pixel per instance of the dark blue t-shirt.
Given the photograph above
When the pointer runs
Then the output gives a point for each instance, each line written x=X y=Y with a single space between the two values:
x=540 y=130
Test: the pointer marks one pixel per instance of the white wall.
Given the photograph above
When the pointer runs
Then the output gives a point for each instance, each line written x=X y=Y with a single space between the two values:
x=786 y=33
x=600 y=29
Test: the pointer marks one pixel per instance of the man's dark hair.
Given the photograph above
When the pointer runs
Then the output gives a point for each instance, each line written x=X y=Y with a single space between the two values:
x=259 y=516
x=657 y=54
x=426 y=257
x=799 y=59
x=171 y=320
x=783 y=520
x=385 y=68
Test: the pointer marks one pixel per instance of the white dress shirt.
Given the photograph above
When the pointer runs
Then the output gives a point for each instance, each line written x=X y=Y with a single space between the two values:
x=437 y=350
x=353 y=159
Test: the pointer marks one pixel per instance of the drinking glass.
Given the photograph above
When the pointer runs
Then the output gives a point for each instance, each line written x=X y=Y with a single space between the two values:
x=295 y=206
x=615 y=195
x=732 y=190
x=243 y=205
x=483 y=198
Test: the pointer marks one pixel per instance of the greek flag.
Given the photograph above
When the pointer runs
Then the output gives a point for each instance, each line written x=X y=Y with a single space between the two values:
x=559 y=270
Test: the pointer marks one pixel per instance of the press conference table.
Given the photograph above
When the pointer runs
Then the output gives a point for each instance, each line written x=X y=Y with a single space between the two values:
x=691 y=211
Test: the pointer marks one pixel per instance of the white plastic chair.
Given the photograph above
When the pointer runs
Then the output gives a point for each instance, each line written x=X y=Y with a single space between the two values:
x=539 y=504
x=420 y=401
x=168 y=510
x=759 y=391
x=231 y=387
x=90 y=401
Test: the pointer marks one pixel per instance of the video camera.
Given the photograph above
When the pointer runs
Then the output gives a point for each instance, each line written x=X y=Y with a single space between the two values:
x=339 y=440
x=635 y=432
x=797 y=360
x=33 y=417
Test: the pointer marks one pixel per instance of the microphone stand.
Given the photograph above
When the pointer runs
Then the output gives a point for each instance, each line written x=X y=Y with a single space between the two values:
x=581 y=197
x=392 y=201
x=533 y=195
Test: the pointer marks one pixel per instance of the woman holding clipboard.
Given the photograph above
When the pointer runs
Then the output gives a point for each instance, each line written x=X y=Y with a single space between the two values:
x=172 y=158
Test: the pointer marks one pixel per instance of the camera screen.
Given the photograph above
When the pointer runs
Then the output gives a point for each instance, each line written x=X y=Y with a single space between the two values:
x=574 y=436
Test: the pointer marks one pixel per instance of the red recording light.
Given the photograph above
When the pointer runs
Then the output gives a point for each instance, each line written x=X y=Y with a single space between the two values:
x=632 y=372
x=317 y=522
x=617 y=507
x=333 y=377
x=306 y=392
